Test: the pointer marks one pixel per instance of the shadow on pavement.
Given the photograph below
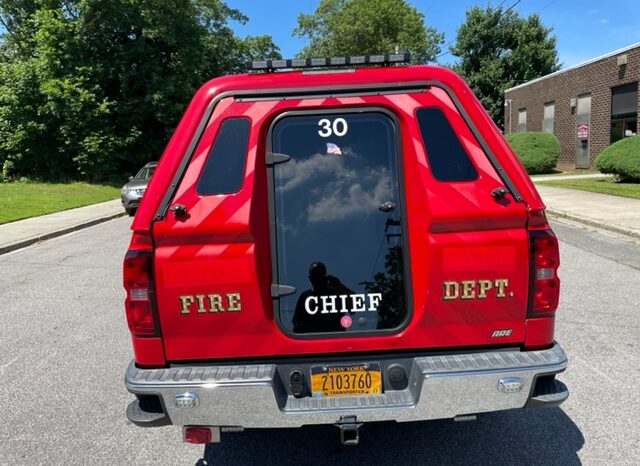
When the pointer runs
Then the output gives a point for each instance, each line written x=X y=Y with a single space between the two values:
x=545 y=436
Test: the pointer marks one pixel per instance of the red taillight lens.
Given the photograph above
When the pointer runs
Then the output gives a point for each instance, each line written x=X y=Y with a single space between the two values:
x=545 y=284
x=137 y=283
x=537 y=220
x=197 y=435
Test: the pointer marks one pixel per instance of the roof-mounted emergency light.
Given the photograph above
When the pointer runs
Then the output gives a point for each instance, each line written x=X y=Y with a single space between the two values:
x=332 y=62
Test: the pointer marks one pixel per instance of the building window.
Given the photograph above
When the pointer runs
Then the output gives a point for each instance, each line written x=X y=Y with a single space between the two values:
x=522 y=120
x=624 y=111
x=549 y=116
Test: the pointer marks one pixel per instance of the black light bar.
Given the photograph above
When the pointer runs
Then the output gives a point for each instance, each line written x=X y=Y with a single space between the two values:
x=332 y=62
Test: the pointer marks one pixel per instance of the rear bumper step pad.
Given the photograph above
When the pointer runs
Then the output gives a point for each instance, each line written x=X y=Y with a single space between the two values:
x=548 y=393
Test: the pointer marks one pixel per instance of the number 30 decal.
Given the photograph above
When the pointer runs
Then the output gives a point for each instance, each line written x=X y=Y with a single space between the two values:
x=338 y=127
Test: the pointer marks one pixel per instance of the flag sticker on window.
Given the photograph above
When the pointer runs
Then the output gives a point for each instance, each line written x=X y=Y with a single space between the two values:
x=333 y=149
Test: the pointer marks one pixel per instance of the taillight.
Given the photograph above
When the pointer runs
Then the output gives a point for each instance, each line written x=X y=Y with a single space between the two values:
x=137 y=283
x=544 y=286
x=197 y=435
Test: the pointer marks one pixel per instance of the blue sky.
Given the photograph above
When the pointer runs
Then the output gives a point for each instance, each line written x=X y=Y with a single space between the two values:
x=584 y=29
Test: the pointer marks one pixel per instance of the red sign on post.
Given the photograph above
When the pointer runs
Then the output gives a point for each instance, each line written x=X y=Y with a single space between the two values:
x=583 y=131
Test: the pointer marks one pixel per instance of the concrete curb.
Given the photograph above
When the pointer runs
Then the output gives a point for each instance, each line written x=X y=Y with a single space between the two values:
x=62 y=231
x=593 y=223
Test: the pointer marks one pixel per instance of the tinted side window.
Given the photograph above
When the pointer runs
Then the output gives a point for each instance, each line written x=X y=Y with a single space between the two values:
x=447 y=158
x=223 y=170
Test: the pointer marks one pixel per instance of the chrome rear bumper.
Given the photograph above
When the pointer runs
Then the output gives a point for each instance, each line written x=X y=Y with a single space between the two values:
x=254 y=395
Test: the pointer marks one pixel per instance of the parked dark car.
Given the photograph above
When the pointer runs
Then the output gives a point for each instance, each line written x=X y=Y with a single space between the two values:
x=132 y=192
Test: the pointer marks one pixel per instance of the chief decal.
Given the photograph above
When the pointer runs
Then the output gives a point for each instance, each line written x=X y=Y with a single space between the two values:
x=210 y=303
x=476 y=289
x=332 y=304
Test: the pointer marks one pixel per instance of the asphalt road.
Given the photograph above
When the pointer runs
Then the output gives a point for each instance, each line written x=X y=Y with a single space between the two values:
x=64 y=347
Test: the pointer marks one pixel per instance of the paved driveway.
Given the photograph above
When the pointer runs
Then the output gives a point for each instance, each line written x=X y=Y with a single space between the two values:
x=64 y=346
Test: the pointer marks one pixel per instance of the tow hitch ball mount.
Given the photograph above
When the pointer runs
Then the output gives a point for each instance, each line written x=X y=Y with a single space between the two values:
x=349 y=430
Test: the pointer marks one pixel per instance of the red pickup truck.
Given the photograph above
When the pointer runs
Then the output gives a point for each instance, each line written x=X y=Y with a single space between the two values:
x=349 y=240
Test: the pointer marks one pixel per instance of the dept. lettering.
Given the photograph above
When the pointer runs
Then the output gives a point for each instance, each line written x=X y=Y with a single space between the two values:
x=475 y=289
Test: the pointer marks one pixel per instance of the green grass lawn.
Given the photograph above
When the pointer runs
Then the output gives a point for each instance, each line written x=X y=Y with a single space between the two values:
x=599 y=185
x=24 y=200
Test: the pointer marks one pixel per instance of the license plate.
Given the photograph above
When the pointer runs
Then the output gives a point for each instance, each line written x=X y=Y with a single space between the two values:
x=348 y=379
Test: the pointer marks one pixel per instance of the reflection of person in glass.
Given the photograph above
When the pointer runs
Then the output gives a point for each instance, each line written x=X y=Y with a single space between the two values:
x=321 y=285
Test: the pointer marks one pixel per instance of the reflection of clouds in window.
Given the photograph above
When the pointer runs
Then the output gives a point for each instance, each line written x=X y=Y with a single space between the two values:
x=335 y=191
x=297 y=172
x=286 y=228
x=344 y=198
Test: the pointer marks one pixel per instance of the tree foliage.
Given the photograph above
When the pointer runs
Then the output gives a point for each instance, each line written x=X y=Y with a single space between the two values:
x=93 y=88
x=360 y=27
x=498 y=49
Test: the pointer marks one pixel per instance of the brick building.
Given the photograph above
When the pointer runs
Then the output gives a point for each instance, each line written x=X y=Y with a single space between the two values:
x=587 y=106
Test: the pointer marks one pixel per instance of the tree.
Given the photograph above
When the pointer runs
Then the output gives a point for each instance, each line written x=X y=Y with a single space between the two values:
x=360 y=27
x=499 y=49
x=93 y=88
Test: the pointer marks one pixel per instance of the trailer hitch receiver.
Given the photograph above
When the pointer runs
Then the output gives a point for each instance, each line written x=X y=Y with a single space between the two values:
x=349 y=430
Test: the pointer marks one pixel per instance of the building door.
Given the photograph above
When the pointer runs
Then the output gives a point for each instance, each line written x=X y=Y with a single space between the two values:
x=583 y=130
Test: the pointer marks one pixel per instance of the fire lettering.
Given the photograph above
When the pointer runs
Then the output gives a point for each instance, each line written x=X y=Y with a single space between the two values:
x=210 y=303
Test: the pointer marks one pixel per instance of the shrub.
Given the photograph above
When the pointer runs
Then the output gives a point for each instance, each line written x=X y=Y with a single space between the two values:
x=537 y=151
x=621 y=158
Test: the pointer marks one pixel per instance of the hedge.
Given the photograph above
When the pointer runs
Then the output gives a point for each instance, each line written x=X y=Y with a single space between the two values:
x=621 y=158
x=537 y=151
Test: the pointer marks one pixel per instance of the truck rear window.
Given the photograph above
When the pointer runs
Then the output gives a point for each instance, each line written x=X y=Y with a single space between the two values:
x=338 y=232
x=447 y=158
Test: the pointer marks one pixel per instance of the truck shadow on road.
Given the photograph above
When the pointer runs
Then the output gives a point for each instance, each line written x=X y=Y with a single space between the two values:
x=545 y=436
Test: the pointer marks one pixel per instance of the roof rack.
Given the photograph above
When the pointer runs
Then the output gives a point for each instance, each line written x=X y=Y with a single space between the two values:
x=328 y=62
